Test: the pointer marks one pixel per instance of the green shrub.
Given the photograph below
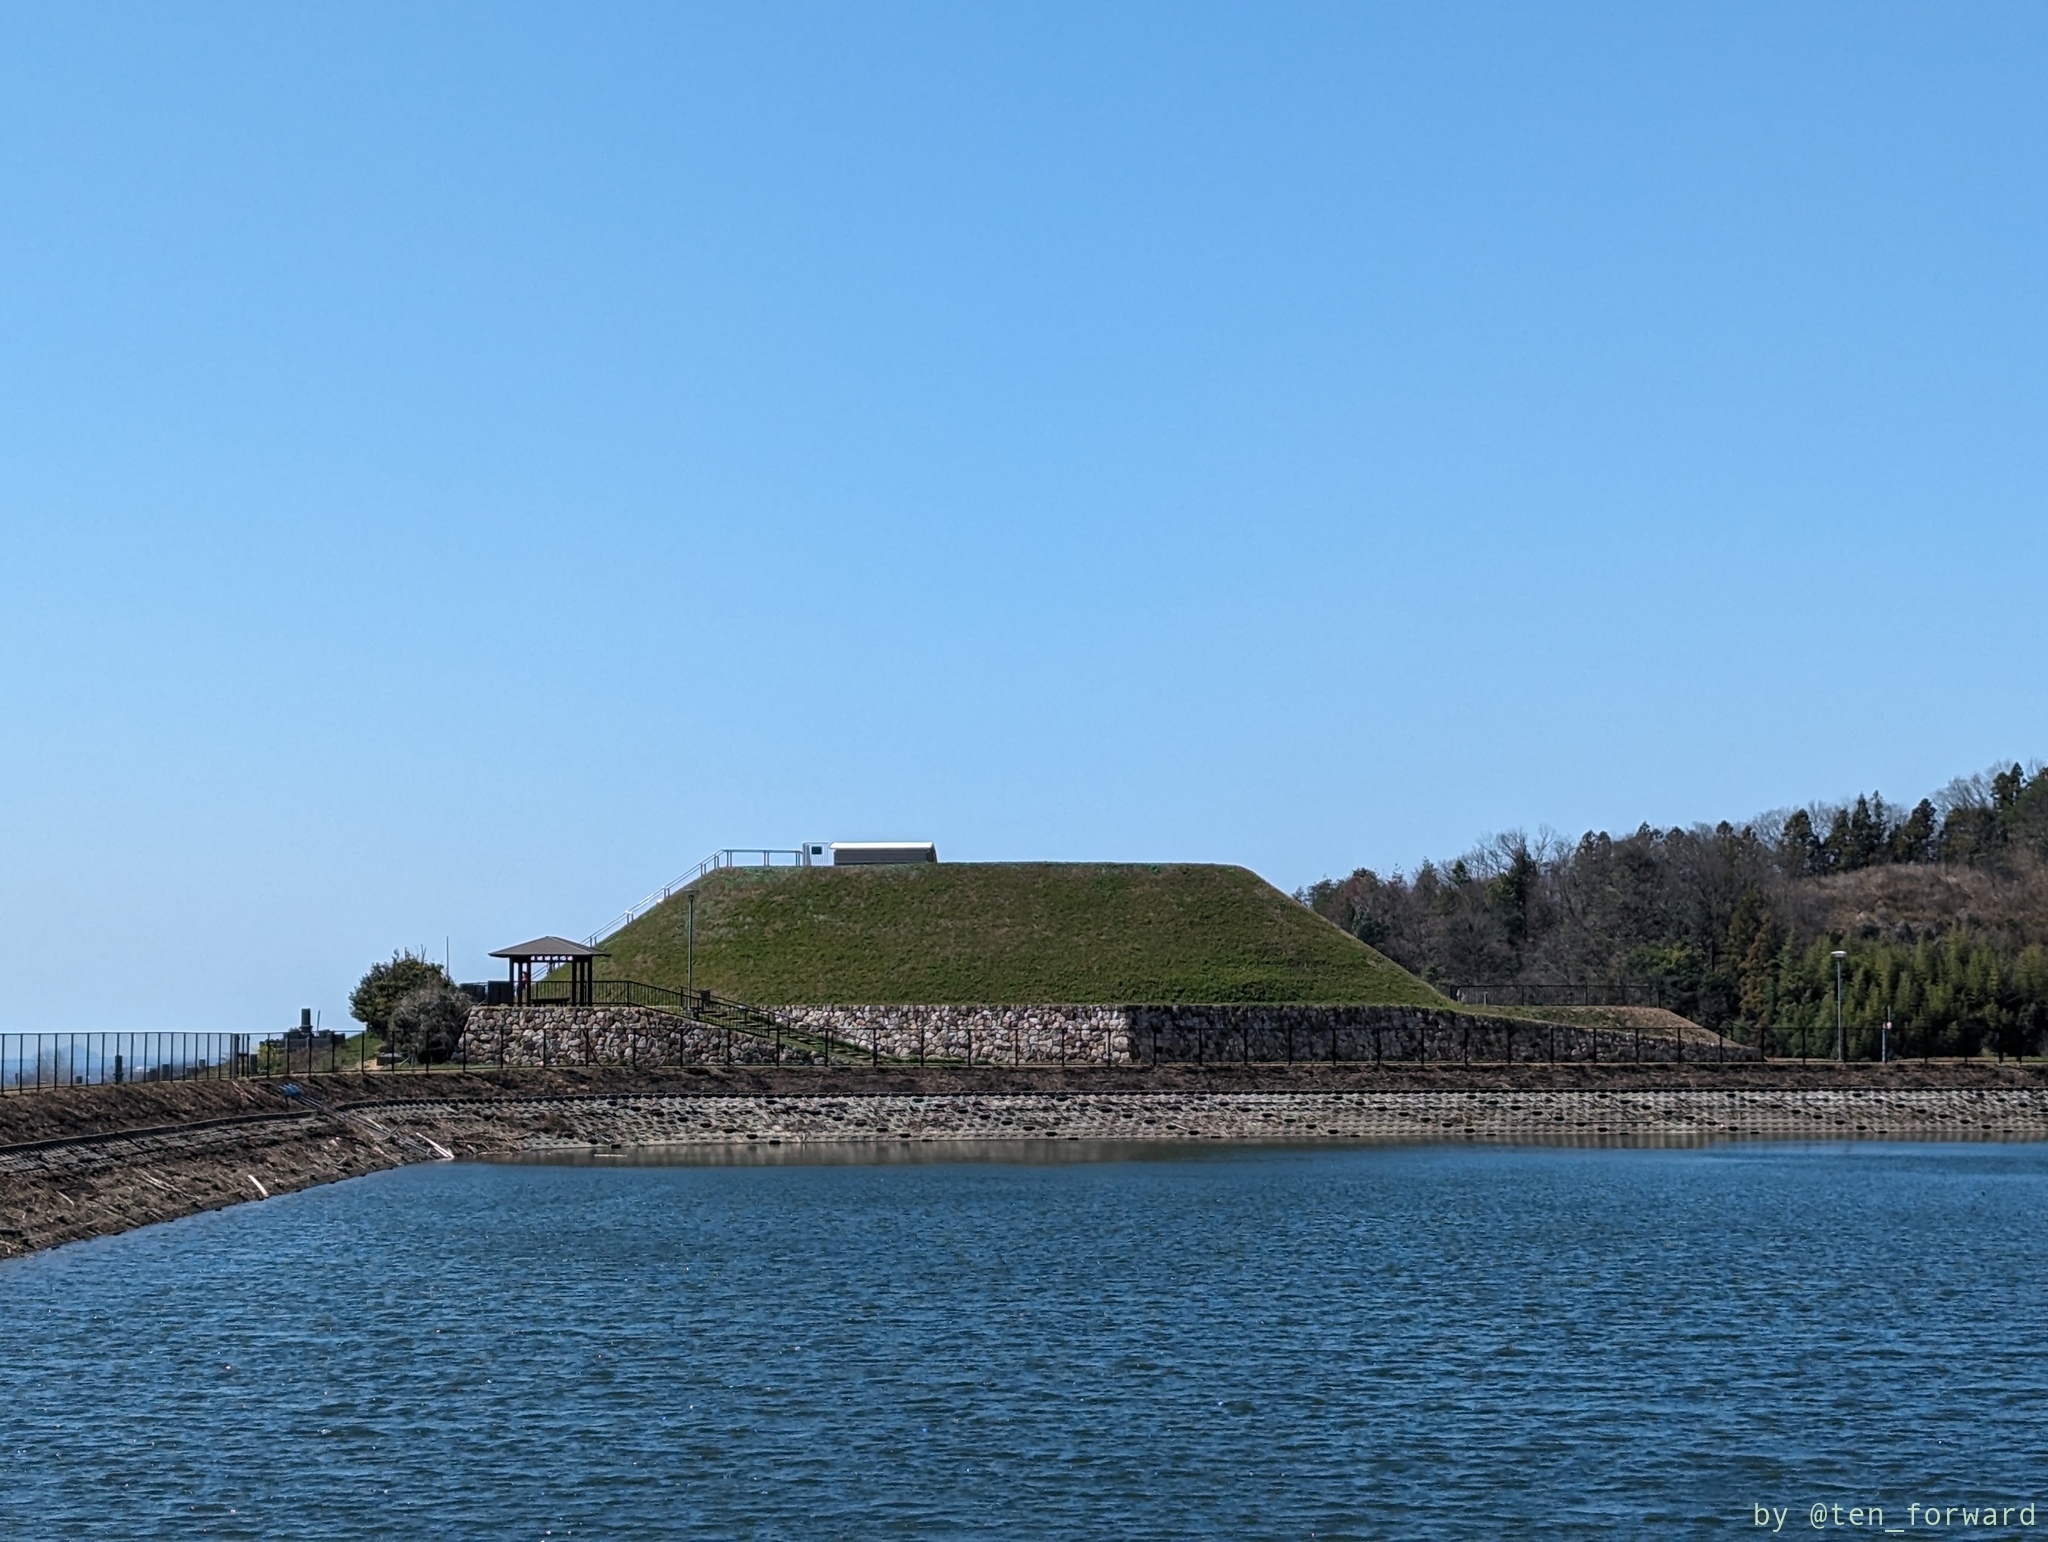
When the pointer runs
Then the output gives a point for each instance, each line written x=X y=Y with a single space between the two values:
x=427 y=1023
x=386 y=984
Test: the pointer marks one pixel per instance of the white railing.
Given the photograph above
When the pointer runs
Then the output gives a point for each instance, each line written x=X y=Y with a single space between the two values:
x=730 y=856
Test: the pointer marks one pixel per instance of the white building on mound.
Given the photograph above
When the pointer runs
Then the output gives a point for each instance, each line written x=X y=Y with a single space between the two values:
x=869 y=853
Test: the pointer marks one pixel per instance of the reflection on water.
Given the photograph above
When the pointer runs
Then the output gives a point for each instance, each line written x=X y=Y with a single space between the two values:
x=870 y=1153
x=1046 y=1339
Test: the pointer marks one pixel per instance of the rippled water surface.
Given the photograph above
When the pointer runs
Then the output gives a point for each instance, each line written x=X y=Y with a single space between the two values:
x=1360 y=1342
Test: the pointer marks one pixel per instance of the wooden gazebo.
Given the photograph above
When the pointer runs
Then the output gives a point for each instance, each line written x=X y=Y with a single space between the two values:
x=550 y=952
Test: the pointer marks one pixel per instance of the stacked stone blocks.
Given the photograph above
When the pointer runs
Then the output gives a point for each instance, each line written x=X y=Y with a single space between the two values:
x=1065 y=1035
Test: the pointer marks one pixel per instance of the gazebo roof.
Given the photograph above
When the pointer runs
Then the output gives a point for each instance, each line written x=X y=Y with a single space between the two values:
x=548 y=947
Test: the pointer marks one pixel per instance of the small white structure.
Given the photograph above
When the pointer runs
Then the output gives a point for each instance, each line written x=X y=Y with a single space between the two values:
x=871 y=853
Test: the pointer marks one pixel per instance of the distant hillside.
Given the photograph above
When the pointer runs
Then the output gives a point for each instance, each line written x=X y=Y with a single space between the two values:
x=1941 y=911
x=1007 y=933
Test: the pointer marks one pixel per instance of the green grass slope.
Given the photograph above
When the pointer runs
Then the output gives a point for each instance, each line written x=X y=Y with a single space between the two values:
x=1006 y=932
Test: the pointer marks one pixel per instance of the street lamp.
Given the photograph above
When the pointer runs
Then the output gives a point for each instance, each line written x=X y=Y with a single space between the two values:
x=1839 y=955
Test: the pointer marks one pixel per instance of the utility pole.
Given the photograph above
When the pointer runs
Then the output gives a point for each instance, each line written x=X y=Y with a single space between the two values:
x=1839 y=955
x=691 y=944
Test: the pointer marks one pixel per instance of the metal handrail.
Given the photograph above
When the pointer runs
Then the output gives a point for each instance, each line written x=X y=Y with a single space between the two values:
x=728 y=856
x=561 y=991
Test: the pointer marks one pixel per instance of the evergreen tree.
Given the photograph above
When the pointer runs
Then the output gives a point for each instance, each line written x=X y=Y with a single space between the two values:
x=1800 y=850
x=1913 y=840
x=1754 y=938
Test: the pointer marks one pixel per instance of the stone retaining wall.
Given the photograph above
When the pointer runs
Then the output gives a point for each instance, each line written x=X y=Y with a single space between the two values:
x=1354 y=1035
x=1069 y=1035
x=1141 y=1035
x=534 y=1036
x=974 y=1035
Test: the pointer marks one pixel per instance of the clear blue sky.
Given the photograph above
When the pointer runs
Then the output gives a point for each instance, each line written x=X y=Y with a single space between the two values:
x=459 y=465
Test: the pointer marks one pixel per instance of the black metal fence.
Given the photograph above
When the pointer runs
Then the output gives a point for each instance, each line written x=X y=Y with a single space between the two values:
x=561 y=991
x=37 y=1062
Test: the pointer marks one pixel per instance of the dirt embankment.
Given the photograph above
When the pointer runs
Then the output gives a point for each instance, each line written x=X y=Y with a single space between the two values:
x=83 y=1162
x=92 y=1161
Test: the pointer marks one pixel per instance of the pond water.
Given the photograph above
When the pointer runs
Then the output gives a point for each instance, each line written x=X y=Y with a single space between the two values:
x=1321 y=1342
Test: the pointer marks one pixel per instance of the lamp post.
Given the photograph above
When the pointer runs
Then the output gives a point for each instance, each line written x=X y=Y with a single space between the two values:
x=1839 y=955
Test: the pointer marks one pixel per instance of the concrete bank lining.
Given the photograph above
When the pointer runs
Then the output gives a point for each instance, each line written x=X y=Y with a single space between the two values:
x=59 y=1191
x=1500 y=1116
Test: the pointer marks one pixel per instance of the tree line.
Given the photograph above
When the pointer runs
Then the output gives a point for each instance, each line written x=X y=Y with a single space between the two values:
x=1941 y=911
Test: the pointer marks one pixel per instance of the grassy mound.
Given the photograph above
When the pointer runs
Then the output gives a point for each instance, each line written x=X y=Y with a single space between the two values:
x=1653 y=1023
x=1006 y=932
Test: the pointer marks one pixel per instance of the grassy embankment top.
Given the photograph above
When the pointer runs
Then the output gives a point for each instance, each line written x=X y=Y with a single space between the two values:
x=1005 y=933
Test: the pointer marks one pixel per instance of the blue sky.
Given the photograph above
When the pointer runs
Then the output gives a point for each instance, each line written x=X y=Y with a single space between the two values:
x=459 y=465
